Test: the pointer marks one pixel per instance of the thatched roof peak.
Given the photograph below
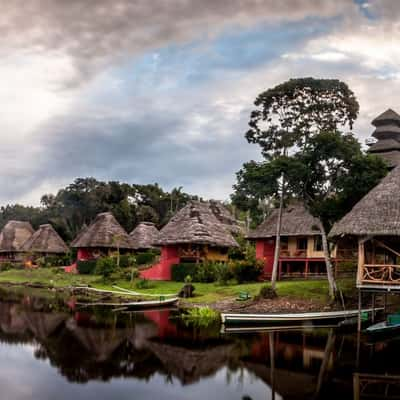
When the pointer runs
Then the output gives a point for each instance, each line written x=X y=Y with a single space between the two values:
x=14 y=235
x=197 y=224
x=296 y=221
x=224 y=216
x=377 y=213
x=386 y=117
x=104 y=232
x=45 y=240
x=144 y=235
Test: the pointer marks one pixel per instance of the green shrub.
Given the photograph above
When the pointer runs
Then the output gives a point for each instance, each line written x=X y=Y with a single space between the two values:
x=127 y=260
x=53 y=261
x=266 y=292
x=201 y=317
x=223 y=273
x=6 y=265
x=86 y=267
x=105 y=266
x=146 y=258
x=205 y=272
x=247 y=270
x=144 y=284
x=180 y=271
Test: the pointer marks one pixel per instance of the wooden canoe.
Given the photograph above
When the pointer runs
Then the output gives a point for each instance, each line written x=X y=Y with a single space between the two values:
x=137 y=304
x=230 y=318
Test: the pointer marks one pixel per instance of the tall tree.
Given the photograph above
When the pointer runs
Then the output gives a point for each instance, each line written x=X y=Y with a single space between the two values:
x=288 y=117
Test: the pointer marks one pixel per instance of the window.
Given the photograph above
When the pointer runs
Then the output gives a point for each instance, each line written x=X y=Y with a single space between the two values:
x=317 y=243
x=284 y=243
x=302 y=244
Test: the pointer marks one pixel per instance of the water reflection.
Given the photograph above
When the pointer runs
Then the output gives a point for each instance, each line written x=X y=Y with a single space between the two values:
x=54 y=350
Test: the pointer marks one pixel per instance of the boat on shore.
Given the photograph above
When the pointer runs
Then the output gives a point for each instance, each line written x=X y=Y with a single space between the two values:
x=314 y=317
x=388 y=327
x=140 y=304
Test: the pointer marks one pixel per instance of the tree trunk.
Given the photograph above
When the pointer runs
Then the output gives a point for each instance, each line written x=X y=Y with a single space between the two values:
x=277 y=241
x=329 y=268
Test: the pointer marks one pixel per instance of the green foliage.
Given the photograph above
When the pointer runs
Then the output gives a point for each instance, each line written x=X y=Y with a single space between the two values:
x=146 y=258
x=201 y=317
x=180 y=271
x=6 y=265
x=247 y=270
x=144 y=284
x=127 y=260
x=105 y=266
x=266 y=292
x=205 y=272
x=188 y=279
x=86 y=267
x=223 y=273
x=53 y=261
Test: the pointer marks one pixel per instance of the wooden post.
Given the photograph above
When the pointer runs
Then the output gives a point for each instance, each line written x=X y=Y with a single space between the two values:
x=306 y=271
x=361 y=261
x=359 y=311
x=373 y=307
x=280 y=270
x=385 y=304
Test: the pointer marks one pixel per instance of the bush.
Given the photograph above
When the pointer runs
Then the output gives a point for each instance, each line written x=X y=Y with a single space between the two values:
x=180 y=271
x=205 y=272
x=266 y=292
x=146 y=258
x=53 y=261
x=105 y=266
x=246 y=270
x=144 y=284
x=6 y=265
x=86 y=267
x=223 y=273
x=201 y=317
x=127 y=260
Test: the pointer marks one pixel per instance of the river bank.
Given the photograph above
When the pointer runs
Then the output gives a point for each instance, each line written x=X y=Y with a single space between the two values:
x=293 y=296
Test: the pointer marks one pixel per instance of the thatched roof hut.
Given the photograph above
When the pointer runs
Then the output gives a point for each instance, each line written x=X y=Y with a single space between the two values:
x=14 y=235
x=45 y=240
x=144 y=236
x=377 y=213
x=104 y=232
x=196 y=224
x=296 y=221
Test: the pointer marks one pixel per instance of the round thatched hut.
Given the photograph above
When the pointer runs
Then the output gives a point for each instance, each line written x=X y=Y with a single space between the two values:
x=144 y=236
x=104 y=236
x=12 y=237
x=375 y=224
x=45 y=241
x=193 y=234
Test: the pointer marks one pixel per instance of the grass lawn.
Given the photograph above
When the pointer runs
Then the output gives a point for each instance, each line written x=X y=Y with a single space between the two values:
x=316 y=290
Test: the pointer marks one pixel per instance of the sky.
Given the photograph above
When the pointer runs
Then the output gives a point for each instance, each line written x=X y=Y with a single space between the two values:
x=161 y=91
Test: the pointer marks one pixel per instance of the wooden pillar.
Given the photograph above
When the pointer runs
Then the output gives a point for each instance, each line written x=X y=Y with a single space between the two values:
x=280 y=271
x=373 y=307
x=359 y=311
x=361 y=261
x=306 y=270
x=385 y=304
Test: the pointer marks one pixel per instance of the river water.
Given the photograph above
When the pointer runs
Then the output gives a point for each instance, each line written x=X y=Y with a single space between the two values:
x=57 y=350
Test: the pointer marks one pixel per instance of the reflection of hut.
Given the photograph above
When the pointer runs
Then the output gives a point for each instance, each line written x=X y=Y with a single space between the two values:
x=101 y=343
x=45 y=241
x=144 y=236
x=375 y=222
x=104 y=236
x=193 y=234
x=188 y=364
x=12 y=237
x=43 y=324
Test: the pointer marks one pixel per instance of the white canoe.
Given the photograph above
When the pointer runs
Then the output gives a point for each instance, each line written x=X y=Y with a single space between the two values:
x=231 y=318
x=137 y=304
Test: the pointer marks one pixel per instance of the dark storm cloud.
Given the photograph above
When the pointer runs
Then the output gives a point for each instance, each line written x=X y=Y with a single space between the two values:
x=97 y=32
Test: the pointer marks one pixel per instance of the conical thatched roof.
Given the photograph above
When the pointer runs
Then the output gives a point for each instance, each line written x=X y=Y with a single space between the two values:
x=296 y=221
x=45 y=240
x=388 y=116
x=196 y=223
x=105 y=231
x=144 y=235
x=377 y=213
x=14 y=235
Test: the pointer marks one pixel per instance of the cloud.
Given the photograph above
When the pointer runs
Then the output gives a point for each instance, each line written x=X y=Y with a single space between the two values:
x=95 y=33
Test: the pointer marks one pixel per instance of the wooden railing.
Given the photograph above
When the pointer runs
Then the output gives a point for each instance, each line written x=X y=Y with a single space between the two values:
x=293 y=253
x=380 y=274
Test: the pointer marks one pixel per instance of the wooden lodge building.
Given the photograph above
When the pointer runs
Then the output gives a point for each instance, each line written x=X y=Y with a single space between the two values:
x=12 y=237
x=301 y=251
x=375 y=224
x=102 y=238
x=45 y=241
x=144 y=236
x=194 y=234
